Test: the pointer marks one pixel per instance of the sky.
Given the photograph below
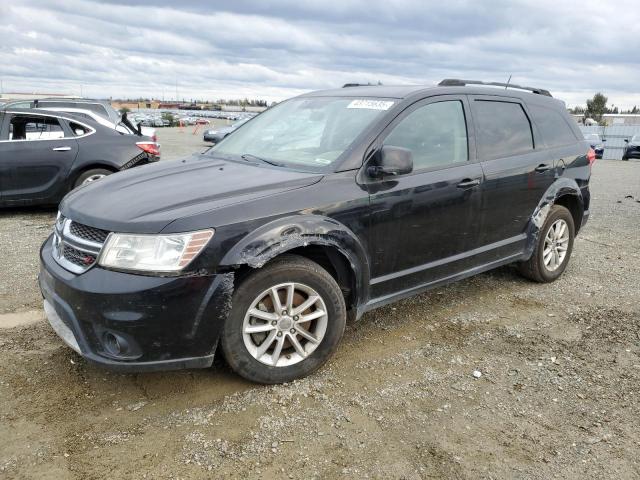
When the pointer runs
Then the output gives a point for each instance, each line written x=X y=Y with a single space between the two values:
x=274 y=50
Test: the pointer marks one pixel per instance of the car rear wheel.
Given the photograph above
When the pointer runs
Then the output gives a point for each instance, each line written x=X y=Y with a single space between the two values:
x=553 y=247
x=285 y=322
x=91 y=176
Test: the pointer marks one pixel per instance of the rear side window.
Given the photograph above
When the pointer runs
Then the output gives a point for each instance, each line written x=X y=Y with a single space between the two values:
x=503 y=129
x=78 y=130
x=435 y=133
x=33 y=127
x=554 y=128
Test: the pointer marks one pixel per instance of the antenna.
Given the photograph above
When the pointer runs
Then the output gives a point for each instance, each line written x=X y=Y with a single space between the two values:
x=508 y=82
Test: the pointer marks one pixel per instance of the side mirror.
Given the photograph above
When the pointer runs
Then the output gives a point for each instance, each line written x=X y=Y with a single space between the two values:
x=391 y=161
x=626 y=140
x=604 y=140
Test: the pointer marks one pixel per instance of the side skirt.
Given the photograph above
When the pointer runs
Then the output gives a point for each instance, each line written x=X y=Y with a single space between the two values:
x=387 y=299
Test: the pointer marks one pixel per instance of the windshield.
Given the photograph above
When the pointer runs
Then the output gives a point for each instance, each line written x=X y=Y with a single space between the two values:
x=592 y=136
x=636 y=138
x=304 y=133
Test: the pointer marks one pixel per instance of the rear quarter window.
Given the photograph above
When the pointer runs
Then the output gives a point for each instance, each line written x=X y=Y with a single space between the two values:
x=553 y=126
x=503 y=129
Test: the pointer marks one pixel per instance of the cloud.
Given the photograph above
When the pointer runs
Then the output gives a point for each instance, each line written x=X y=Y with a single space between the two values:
x=274 y=50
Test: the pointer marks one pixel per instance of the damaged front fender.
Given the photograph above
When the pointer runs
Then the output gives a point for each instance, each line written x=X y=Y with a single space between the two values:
x=288 y=233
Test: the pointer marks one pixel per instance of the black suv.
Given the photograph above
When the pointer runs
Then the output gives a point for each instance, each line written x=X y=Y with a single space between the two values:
x=318 y=210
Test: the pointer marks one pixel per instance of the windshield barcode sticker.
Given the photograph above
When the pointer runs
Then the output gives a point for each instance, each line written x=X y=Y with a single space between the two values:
x=371 y=104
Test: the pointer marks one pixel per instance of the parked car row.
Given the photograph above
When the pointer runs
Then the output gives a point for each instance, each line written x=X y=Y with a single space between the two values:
x=156 y=118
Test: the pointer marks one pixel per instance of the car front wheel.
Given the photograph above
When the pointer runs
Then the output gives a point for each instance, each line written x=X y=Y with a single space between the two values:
x=285 y=322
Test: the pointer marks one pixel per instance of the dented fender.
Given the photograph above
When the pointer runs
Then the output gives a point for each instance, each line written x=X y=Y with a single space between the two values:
x=285 y=234
x=561 y=187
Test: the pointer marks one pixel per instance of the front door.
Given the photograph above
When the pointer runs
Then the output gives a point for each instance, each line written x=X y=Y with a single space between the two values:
x=36 y=154
x=424 y=223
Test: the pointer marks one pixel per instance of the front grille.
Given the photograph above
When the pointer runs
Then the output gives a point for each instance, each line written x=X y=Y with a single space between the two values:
x=76 y=246
x=78 y=257
x=88 y=233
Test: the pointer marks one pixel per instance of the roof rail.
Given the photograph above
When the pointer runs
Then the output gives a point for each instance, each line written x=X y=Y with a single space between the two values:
x=456 y=82
x=348 y=85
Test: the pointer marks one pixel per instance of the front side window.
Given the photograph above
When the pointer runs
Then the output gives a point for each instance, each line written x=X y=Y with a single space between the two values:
x=33 y=127
x=308 y=133
x=436 y=134
x=503 y=129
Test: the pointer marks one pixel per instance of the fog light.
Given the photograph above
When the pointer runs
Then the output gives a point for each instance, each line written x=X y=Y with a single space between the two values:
x=113 y=344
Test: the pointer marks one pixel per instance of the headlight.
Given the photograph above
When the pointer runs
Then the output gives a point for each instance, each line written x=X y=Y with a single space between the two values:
x=153 y=253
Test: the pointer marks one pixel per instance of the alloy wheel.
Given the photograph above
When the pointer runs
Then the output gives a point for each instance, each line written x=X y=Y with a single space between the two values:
x=93 y=178
x=285 y=324
x=556 y=244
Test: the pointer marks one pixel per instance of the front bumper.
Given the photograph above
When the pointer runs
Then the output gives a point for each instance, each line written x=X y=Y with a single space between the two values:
x=134 y=322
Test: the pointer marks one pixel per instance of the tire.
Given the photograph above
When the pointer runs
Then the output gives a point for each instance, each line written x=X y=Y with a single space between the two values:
x=536 y=268
x=91 y=176
x=242 y=350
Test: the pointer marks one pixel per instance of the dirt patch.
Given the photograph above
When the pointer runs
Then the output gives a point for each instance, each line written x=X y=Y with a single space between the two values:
x=21 y=319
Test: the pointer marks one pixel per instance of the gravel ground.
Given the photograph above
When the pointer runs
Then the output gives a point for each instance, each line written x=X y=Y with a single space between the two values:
x=492 y=377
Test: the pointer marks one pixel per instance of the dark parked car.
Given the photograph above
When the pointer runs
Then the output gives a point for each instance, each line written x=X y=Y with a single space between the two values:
x=215 y=135
x=100 y=111
x=596 y=143
x=322 y=208
x=43 y=155
x=632 y=148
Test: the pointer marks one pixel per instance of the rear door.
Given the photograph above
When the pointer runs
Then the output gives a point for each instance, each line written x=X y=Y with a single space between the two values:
x=517 y=172
x=36 y=153
x=423 y=223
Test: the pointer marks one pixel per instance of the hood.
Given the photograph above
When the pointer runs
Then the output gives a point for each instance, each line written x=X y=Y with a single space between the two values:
x=221 y=130
x=145 y=199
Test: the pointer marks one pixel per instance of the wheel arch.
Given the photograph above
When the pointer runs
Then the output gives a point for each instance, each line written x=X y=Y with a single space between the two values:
x=321 y=239
x=73 y=178
x=565 y=192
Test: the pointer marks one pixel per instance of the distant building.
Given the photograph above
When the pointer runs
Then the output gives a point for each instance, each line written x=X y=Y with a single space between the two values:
x=131 y=105
x=169 y=105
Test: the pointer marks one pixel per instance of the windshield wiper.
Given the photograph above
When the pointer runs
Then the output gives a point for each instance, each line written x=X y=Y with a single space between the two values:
x=248 y=157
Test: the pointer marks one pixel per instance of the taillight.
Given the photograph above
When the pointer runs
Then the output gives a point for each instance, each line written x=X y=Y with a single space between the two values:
x=152 y=148
x=591 y=156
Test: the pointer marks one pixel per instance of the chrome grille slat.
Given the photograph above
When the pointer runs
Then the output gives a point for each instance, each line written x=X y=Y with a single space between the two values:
x=76 y=246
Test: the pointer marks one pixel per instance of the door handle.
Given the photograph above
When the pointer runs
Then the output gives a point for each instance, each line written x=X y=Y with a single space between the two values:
x=468 y=183
x=543 y=167
x=61 y=149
